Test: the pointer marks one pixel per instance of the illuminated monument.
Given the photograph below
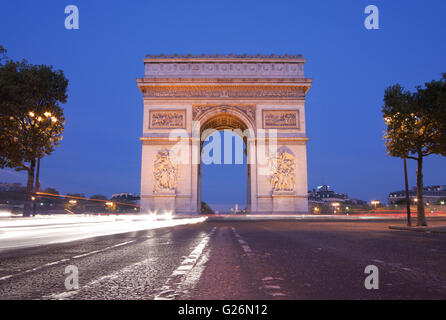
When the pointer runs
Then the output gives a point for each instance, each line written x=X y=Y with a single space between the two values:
x=262 y=97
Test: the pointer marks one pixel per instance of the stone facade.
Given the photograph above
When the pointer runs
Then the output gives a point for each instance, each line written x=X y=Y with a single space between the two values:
x=261 y=95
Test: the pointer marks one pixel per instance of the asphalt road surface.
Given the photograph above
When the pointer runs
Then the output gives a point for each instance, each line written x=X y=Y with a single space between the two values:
x=233 y=260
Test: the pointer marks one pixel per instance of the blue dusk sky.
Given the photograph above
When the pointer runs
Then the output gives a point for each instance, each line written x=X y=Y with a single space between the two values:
x=350 y=66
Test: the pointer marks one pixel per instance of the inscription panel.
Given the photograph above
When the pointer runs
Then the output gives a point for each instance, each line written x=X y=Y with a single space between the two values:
x=281 y=119
x=167 y=119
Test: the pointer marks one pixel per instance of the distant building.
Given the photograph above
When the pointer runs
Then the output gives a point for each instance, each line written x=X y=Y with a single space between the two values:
x=12 y=193
x=358 y=202
x=431 y=194
x=11 y=186
x=125 y=196
x=324 y=194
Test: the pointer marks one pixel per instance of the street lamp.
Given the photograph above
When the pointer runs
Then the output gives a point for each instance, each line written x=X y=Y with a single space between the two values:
x=375 y=203
x=336 y=206
x=110 y=205
x=389 y=121
x=48 y=116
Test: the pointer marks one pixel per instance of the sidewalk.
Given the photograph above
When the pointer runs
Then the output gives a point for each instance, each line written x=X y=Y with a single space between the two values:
x=435 y=229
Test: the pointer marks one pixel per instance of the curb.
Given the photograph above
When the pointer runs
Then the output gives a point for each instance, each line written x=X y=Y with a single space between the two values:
x=417 y=229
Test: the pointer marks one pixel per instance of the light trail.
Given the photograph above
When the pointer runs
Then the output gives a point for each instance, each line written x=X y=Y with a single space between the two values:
x=44 y=230
x=48 y=195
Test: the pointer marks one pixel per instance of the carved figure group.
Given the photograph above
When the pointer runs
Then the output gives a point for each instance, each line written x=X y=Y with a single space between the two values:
x=282 y=172
x=164 y=172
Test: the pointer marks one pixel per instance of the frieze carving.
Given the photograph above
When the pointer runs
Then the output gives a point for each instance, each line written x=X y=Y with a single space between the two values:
x=281 y=119
x=221 y=91
x=225 y=69
x=282 y=167
x=182 y=80
x=167 y=119
x=165 y=173
x=249 y=110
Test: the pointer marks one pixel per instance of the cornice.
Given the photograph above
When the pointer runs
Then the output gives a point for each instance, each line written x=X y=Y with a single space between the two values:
x=225 y=58
x=297 y=81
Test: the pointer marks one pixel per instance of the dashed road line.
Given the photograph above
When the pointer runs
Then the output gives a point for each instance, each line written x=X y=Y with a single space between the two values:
x=270 y=285
x=92 y=284
x=54 y=263
x=102 y=250
x=185 y=277
x=412 y=274
x=246 y=248
x=6 y=277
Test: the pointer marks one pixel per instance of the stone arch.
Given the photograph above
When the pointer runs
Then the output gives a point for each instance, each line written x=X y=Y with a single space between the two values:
x=238 y=117
x=221 y=118
x=235 y=91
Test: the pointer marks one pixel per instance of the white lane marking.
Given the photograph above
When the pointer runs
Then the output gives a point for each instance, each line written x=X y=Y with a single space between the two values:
x=269 y=284
x=278 y=294
x=242 y=243
x=268 y=279
x=85 y=254
x=55 y=263
x=246 y=248
x=50 y=264
x=187 y=274
x=115 y=275
x=6 y=277
x=102 y=250
x=378 y=261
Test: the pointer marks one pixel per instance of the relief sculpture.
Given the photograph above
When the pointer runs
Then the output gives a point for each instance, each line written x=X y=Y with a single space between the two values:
x=167 y=119
x=164 y=172
x=282 y=172
x=280 y=119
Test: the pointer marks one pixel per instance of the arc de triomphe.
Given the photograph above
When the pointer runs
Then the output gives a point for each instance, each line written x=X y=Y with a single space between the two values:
x=261 y=97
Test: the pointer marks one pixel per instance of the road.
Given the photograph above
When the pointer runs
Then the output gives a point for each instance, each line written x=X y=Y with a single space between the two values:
x=234 y=260
x=41 y=230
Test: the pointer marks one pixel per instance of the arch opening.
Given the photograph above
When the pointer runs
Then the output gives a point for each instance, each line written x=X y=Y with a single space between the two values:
x=224 y=174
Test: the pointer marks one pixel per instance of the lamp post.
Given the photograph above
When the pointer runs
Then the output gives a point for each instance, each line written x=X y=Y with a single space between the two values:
x=336 y=206
x=388 y=121
x=48 y=116
x=406 y=186
x=375 y=203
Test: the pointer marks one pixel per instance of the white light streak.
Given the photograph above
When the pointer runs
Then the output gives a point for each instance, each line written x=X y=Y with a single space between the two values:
x=43 y=230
